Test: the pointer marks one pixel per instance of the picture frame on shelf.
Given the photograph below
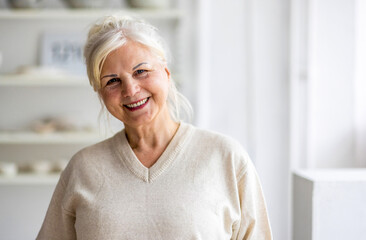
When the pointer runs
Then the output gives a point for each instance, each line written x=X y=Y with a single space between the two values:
x=63 y=51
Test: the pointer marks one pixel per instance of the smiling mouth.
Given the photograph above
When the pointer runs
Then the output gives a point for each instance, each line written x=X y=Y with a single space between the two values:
x=137 y=105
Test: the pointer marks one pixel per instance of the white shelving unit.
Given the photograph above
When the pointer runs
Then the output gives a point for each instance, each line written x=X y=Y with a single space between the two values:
x=22 y=80
x=23 y=99
x=30 y=179
x=50 y=138
x=35 y=22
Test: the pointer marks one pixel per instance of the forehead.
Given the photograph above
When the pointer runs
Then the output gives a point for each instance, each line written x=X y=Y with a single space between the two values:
x=130 y=53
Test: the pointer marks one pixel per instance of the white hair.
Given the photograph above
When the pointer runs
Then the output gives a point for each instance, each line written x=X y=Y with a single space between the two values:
x=112 y=32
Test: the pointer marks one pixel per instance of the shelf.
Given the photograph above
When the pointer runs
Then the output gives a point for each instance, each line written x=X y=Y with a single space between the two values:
x=30 y=179
x=50 y=138
x=36 y=80
x=77 y=14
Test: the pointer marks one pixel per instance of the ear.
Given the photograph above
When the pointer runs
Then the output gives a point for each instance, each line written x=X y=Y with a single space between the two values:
x=167 y=72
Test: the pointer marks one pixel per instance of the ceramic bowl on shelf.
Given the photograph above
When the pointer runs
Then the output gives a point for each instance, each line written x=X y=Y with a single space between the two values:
x=88 y=3
x=8 y=168
x=25 y=3
x=41 y=167
x=149 y=3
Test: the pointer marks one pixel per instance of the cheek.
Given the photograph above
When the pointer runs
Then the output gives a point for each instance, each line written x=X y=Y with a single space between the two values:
x=166 y=88
x=161 y=85
x=111 y=98
x=161 y=92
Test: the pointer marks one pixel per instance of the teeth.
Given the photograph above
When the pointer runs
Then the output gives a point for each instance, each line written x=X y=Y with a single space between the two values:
x=137 y=104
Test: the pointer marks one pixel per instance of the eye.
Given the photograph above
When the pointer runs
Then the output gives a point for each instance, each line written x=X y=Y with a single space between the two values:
x=113 y=81
x=140 y=73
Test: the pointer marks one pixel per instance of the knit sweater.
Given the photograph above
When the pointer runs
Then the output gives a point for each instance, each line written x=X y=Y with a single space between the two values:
x=203 y=186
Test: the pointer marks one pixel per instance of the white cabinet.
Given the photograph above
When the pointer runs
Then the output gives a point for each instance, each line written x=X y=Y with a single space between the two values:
x=329 y=204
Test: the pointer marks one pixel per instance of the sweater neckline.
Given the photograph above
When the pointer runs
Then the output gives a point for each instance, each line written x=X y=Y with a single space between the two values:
x=129 y=158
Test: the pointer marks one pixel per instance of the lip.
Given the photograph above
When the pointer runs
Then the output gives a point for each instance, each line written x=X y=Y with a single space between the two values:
x=136 y=101
x=138 y=107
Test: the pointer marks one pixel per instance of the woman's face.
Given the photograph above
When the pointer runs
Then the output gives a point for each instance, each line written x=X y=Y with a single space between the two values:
x=135 y=85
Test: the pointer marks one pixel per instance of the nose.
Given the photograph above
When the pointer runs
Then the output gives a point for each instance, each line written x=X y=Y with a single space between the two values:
x=130 y=87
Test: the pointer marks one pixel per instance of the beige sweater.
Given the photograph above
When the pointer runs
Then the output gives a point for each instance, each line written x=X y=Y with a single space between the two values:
x=204 y=186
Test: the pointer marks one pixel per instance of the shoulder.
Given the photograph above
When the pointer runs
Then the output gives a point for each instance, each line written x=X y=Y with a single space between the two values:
x=218 y=140
x=88 y=161
x=93 y=153
x=218 y=145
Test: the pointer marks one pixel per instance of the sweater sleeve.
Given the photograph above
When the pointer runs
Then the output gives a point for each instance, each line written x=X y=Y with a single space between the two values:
x=254 y=223
x=59 y=222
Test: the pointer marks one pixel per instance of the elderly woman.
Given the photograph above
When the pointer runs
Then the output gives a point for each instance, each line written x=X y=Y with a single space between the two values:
x=159 y=178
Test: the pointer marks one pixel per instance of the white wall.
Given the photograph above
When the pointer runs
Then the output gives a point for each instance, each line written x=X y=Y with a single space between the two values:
x=330 y=83
x=269 y=111
x=247 y=89
x=360 y=84
x=328 y=113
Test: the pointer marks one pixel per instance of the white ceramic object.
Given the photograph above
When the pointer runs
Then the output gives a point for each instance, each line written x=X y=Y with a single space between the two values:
x=149 y=3
x=88 y=3
x=8 y=169
x=41 y=167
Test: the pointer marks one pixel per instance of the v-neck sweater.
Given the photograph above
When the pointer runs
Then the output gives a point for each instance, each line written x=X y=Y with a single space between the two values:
x=203 y=186
x=125 y=152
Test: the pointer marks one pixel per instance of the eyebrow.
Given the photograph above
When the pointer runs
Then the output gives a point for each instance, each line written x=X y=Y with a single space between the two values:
x=111 y=75
x=138 y=65
x=115 y=75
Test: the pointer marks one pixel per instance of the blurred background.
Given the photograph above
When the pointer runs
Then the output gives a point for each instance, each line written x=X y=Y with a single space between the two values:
x=286 y=78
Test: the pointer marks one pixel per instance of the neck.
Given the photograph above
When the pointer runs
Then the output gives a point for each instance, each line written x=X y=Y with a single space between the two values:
x=155 y=134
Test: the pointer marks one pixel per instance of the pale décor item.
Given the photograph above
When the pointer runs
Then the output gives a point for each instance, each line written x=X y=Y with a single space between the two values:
x=41 y=167
x=49 y=125
x=88 y=3
x=149 y=3
x=25 y=3
x=60 y=124
x=8 y=169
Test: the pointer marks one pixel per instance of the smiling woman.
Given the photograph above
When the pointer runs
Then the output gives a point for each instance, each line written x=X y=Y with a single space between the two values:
x=159 y=178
